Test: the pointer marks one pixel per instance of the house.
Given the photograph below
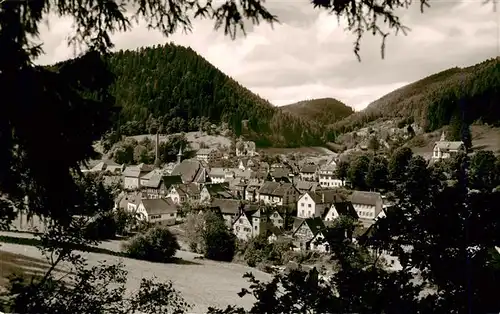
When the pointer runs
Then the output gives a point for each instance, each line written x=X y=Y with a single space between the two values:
x=229 y=208
x=308 y=172
x=132 y=176
x=238 y=187
x=306 y=186
x=108 y=166
x=338 y=209
x=215 y=191
x=318 y=243
x=158 y=186
x=273 y=234
x=445 y=149
x=368 y=205
x=161 y=211
x=277 y=193
x=191 y=171
x=181 y=193
x=217 y=175
x=156 y=173
x=249 y=224
x=314 y=204
x=276 y=219
x=208 y=155
x=246 y=164
x=251 y=192
x=327 y=176
x=306 y=231
x=281 y=175
x=245 y=148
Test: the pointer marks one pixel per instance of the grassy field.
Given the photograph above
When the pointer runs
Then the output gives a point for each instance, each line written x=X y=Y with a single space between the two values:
x=202 y=283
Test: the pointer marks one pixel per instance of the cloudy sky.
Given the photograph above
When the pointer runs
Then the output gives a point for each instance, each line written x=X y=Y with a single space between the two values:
x=309 y=55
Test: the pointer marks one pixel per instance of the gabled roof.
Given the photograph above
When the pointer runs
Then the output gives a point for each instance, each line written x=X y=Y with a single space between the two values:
x=308 y=168
x=187 y=169
x=325 y=196
x=314 y=224
x=274 y=188
x=137 y=170
x=306 y=185
x=152 y=173
x=205 y=151
x=217 y=172
x=159 y=206
x=365 y=198
x=219 y=190
x=280 y=173
x=344 y=209
x=227 y=206
x=447 y=145
x=189 y=189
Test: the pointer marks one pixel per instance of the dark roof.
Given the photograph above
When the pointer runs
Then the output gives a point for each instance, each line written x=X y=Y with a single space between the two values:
x=159 y=206
x=227 y=206
x=219 y=190
x=326 y=196
x=168 y=181
x=365 y=198
x=308 y=168
x=306 y=185
x=189 y=189
x=344 y=209
x=314 y=224
x=187 y=169
x=274 y=188
x=280 y=173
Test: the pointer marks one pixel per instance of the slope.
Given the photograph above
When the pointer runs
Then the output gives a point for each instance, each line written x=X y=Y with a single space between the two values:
x=322 y=110
x=172 y=87
x=434 y=100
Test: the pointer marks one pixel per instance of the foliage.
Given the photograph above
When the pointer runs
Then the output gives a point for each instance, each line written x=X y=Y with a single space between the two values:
x=156 y=245
x=483 y=171
x=98 y=289
x=260 y=250
x=398 y=162
x=377 y=174
x=357 y=171
x=373 y=143
x=433 y=101
x=342 y=170
x=219 y=243
x=322 y=110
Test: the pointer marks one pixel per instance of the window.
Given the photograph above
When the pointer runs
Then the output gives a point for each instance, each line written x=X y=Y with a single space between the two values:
x=275 y=215
x=309 y=205
x=240 y=221
x=280 y=221
x=172 y=215
x=302 y=212
x=301 y=204
x=256 y=227
x=237 y=228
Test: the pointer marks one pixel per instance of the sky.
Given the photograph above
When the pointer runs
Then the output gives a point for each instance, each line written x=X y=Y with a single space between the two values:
x=310 y=55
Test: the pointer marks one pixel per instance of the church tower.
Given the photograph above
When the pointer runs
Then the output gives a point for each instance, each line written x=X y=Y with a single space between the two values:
x=179 y=155
x=443 y=137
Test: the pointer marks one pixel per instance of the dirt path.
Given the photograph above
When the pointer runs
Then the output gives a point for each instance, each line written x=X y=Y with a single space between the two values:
x=203 y=283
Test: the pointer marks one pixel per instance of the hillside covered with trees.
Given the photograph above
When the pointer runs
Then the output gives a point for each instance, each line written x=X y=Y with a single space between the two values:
x=321 y=110
x=436 y=100
x=172 y=87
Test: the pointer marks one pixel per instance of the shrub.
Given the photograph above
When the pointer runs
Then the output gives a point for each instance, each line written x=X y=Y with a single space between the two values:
x=218 y=242
x=156 y=245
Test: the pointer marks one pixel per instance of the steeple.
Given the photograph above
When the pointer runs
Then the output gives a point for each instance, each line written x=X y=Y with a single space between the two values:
x=443 y=137
x=179 y=155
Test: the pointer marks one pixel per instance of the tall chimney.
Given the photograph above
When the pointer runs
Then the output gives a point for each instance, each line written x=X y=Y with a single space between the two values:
x=157 y=150
x=322 y=197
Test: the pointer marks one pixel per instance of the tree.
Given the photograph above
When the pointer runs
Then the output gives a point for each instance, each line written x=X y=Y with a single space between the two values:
x=398 y=162
x=157 y=245
x=219 y=242
x=342 y=170
x=358 y=169
x=378 y=174
x=483 y=172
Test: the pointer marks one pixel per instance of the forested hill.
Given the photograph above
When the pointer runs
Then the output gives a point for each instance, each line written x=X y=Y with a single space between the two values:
x=433 y=101
x=173 y=86
x=321 y=110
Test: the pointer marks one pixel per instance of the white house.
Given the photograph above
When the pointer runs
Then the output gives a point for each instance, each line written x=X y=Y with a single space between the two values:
x=319 y=244
x=327 y=176
x=132 y=176
x=308 y=172
x=208 y=155
x=278 y=193
x=445 y=149
x=340 y=209
x=314 y=204
x=368 y=205
x=249 y=224
x=161 y=211
x=306 y=231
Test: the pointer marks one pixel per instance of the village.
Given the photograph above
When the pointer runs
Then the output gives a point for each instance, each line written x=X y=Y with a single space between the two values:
x=289 y=200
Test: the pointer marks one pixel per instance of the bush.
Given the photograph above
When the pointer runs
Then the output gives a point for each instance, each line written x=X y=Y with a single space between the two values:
x=156 y=245
x=218 y=242
x=103 y=227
